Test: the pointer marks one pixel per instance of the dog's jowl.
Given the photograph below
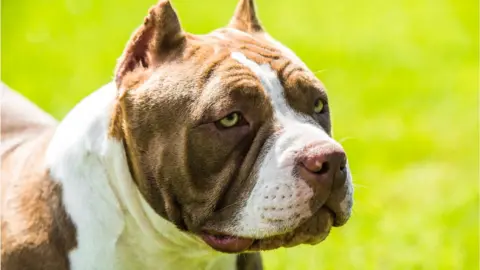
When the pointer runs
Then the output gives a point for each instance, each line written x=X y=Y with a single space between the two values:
x=203 y=151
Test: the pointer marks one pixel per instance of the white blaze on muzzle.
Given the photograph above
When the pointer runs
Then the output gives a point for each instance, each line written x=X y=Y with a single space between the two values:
x=280 y=200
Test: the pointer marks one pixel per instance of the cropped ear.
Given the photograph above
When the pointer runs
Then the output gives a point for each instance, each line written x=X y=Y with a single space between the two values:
x=245 y=18
x=160 y=34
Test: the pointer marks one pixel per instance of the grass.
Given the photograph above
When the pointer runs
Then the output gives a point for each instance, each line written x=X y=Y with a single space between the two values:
x=402 y=79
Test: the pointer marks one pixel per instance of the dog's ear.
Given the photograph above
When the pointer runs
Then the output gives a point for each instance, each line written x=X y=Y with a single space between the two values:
x=156 y=38
x=245 y=18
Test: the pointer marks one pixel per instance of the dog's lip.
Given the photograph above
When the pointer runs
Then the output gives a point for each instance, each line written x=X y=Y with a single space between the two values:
x=339 y=218
x=235 y=244
x=335 y=217
x=226 y=243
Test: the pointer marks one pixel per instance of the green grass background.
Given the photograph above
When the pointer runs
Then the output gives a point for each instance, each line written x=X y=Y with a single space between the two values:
x=402 y=78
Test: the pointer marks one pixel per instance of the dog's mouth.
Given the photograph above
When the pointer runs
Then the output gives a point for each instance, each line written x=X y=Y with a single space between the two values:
x=313 y=231
x=227 y=243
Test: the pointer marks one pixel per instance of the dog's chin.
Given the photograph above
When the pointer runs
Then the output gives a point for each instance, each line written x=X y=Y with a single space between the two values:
x=313 y=231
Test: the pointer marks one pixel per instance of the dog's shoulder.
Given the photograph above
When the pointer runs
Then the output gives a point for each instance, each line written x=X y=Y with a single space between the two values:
x=36 y=231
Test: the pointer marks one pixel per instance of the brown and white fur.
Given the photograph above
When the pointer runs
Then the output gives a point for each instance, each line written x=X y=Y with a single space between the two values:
x=143 y=174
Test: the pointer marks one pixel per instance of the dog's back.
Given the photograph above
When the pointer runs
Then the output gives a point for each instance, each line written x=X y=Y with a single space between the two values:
x=21 y=120
x=30 y=200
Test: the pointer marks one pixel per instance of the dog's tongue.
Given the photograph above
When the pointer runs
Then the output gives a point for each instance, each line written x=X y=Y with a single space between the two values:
x=226 y=243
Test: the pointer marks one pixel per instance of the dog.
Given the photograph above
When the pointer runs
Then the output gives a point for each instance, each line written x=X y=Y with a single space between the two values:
x=203 y=151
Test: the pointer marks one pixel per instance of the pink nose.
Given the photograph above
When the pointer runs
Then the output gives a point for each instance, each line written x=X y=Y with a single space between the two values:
x=321 y=162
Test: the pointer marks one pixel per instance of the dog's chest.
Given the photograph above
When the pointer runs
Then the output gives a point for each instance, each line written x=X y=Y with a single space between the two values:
x=137 y=249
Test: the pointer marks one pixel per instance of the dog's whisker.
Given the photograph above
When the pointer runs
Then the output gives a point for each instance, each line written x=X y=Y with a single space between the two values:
x=319 y=71
x=344 y=139
x=359 y=185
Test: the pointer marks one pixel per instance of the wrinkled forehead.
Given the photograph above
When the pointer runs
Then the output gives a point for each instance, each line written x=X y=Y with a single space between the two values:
x=223 y=56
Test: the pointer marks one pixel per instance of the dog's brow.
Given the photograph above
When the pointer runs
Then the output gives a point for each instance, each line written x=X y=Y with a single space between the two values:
x=270 y=82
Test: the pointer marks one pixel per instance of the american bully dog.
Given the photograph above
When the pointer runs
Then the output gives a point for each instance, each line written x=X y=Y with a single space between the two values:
x=203 y=151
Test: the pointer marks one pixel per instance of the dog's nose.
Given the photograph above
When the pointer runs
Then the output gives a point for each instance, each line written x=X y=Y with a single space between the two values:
x=320 y=163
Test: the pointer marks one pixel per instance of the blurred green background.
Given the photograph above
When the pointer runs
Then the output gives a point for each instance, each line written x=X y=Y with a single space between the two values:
x=402 y=79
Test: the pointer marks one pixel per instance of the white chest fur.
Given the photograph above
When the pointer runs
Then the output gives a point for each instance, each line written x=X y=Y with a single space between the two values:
x=116 y=228
x=168 y=250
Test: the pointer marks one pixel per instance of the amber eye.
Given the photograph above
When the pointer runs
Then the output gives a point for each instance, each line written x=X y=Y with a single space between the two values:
x=230 y=120
x=318 y=106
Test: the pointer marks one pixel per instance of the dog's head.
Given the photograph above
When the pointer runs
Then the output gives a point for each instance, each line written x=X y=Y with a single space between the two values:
x=228 y=134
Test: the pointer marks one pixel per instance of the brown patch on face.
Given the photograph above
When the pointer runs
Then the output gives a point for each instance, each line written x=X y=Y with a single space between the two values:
x=37 y=233
x=175 y=164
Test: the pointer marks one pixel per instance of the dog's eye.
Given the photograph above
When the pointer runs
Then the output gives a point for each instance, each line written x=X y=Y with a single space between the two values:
x=319 y=106
x=230 y=120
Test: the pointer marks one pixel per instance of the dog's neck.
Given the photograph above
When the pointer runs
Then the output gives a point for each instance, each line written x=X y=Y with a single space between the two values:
x=116 y=228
